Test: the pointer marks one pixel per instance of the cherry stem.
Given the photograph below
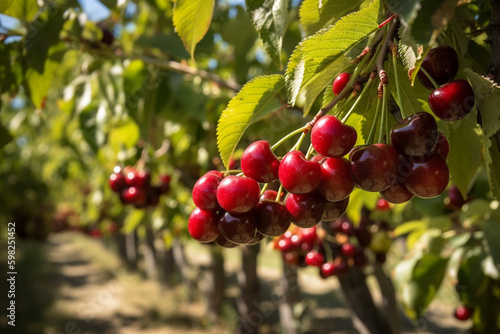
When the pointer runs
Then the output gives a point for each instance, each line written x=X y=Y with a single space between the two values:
x=398 y=89
x=433 y=82
x=310 y=151
x=288 y=136
x=383 y=120
x=387 y=21
x=296 y=147
x=280 y=190
x=371 y=135
x=365 y=89
x=264 y=188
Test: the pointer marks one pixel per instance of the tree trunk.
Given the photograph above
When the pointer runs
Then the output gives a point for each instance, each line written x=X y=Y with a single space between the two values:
x=131 y=249
x=248 y=302
x=169 y=268
x=290 y=296
x=389 y=302
x=150 y=257
x=215 y=284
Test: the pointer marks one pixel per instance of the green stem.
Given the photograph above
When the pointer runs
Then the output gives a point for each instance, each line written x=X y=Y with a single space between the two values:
x=296 y=147
x=280 y=190
x=433 y=82
x=309 y=151
x=383 y=121
x=264 y=188
x=288 y=136
x=371 y=135
x=365 y=89
x=398 y=89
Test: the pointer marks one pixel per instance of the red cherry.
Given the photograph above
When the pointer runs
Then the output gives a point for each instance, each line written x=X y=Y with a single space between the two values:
x=442 y=146
x=165 y=183
x=452 y=101
x=347 y=228
x=306 y=210
x=117 y=182
x=334 y=210
x=382 y=205
x=336 y=181
x=426 y=177
x=237 y=194
x=340 y=82
x=291 y=258
x=133 y=195
x=298 y=175
x=315 y=259
x=374 y=167
x=269 y=195
x=259 y=162
x=309 y=236
x=327 y=269
x=223 y=242
x=138 y=179
x=272 y=218
x=396 y=193
x=442 y=65
x=238 y=228
x=415 y=135
x=348 y=250
x=463 y=313
x=332 y=138
x=96 y=233
x=202 y=225
x=285 y=245
x=205 y=191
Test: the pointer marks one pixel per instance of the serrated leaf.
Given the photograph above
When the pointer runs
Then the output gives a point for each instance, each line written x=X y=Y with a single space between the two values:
x=492 y=160
x=269 y=17
x=406 y=9
x=24 y=10
x=250 y=102
x=317 y=14
x=409 y=51
x=465 y=151
x=314 y=54
x=192 y=19
x=487 y=95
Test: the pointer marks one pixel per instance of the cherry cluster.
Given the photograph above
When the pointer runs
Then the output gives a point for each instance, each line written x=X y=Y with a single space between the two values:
x=453 y=99
x=134 y=186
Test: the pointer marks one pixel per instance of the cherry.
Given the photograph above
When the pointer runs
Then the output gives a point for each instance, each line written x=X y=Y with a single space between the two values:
x=315 y=259
x=165 y=183
x=205 y=191
x=138 y=179
x=272 y=218
x=238 y=228
x=463 y=313
x=382 y=205
x=380 y=258
x=107 y=36
x=269 y=194
x=396 y=193
x=348 y=250
x=442 y=65
x=291 y=258
x=426 y=177
x=336 y=181
x=317 y=158
x=237 y=194
x=259 y=162
x=202 y=225
x=347 y=228
x=415 y=135
x=153 y=194
x=363 y=236
x=327 y=269
x=374 y=167
x=340 y=82
x=133 y=195
x=285 y=245
x=258 y=238
x=334 y=210
x=455 y=200
x=223 y=242
x=332 y=138
x=309 y=236
x=442 y=146
x=306 y=210
x=117 y=182
x=452 y=101
x=360 y=259
x=298 y=175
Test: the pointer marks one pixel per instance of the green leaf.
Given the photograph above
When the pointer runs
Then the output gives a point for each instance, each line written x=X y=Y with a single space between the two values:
x=465 y=151
x=251 y=101
x=487 y=95
x=133 y=220
x=5 y=4
x=269 y=18
x=315 y=14
x=470 y=275
x=432 y=17
x=427 y=275
x=125 y=135
x=314 y=54
x=5 y=136
x=406 y=9
x=192 y=19
x=25 y=10
x=492 y=235
x=492 y=160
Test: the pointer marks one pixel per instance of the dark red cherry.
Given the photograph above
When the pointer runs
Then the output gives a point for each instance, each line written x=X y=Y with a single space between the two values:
x=298 y=175
x=259 y=162
x=334 y=210
x=272 y=218
x=306 y=210
x=336 y=182
x=291 y=258
x=454 y=200
x=348 y=250
x=258 y=238
x=205 y=191
x=138 y=179
x=442 y=146
x=364 y=236
x=442 y=65
x=360 y=259
x=315 y=259
x=426 y=176
x=202 y=225
x=223 y=242
x=340 y=82
x=285 y=245
x=415 y=135
x=332 y=138
x=463 y=313
x=347 y=228
x=133 y=195
x=374 y=167
x=117 y=182
x=452 y=101
x=238 y=228
x=396 y=193
x=153 y=194
x=165 y=183
x=237 y=194
x=380 y=258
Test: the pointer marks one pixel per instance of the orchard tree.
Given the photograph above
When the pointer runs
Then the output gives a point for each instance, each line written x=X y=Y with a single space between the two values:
x=304 y=113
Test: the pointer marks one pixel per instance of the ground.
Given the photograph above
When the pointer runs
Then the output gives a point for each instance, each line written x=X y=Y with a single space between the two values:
x=75 y=284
